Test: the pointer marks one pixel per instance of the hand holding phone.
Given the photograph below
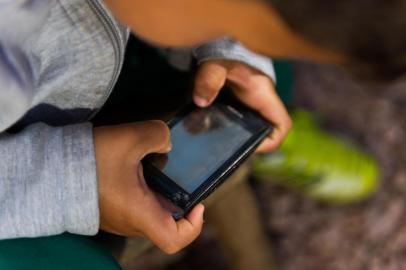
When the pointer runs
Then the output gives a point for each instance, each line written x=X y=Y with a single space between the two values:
x=254 y=88
x=127 y=206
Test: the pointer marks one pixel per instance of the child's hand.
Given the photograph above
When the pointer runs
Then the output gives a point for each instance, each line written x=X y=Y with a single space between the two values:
x=251 y=86
x=127 y=206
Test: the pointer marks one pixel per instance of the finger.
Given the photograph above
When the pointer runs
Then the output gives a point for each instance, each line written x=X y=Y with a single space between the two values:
x=262 y=97
x=191 y=226
x=154 y=137
x=209 y=80
x=265 y=146
x=171 y=236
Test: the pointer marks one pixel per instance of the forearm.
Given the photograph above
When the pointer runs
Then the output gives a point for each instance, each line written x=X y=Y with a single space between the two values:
x=48 y=182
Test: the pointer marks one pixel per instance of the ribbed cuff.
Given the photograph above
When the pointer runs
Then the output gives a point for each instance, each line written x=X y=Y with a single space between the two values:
x=227 y=48
x=80 y=191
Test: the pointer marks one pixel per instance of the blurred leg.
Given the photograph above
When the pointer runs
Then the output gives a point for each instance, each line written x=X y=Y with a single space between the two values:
x=234 y=214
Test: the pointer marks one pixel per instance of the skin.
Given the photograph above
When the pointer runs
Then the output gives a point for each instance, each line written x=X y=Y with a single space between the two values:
x=127 y=206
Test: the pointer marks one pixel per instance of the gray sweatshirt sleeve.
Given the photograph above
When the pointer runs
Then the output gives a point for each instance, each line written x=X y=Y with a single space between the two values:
x=47 y=175
x=48 y=182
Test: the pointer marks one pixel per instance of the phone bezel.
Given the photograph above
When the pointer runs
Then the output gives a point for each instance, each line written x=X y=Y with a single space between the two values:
x=251 y=121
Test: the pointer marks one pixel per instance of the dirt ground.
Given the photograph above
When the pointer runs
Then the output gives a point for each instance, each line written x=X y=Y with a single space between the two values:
x=307 y=235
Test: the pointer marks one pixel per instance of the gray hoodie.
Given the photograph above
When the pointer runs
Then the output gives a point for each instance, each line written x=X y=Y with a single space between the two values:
x=59 y=61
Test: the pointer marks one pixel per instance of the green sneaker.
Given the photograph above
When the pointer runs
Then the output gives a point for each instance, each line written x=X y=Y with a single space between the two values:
x=319 y=165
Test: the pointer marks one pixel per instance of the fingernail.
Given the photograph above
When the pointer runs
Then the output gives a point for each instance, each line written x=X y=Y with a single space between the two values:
x=169 y=148
x=201 y=102
x=202 y=213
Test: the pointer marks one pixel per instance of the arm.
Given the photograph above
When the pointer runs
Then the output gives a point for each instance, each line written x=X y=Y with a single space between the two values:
x=48 y=182
x=47 y=175
x=54 y=180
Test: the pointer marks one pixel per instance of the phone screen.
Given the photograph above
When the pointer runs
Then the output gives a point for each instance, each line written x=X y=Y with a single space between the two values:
x=202 y=141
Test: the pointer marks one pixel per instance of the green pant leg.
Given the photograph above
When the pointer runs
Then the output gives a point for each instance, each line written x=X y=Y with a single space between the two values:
x=59 y=252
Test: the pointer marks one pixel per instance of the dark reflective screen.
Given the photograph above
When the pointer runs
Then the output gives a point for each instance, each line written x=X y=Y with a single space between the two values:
x=202 y=142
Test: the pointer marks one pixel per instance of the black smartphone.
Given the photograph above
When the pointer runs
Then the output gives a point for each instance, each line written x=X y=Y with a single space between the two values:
x=208 y=145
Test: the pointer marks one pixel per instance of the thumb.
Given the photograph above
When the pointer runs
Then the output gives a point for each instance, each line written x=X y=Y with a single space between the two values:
x=153 y=137
x=210 y=78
